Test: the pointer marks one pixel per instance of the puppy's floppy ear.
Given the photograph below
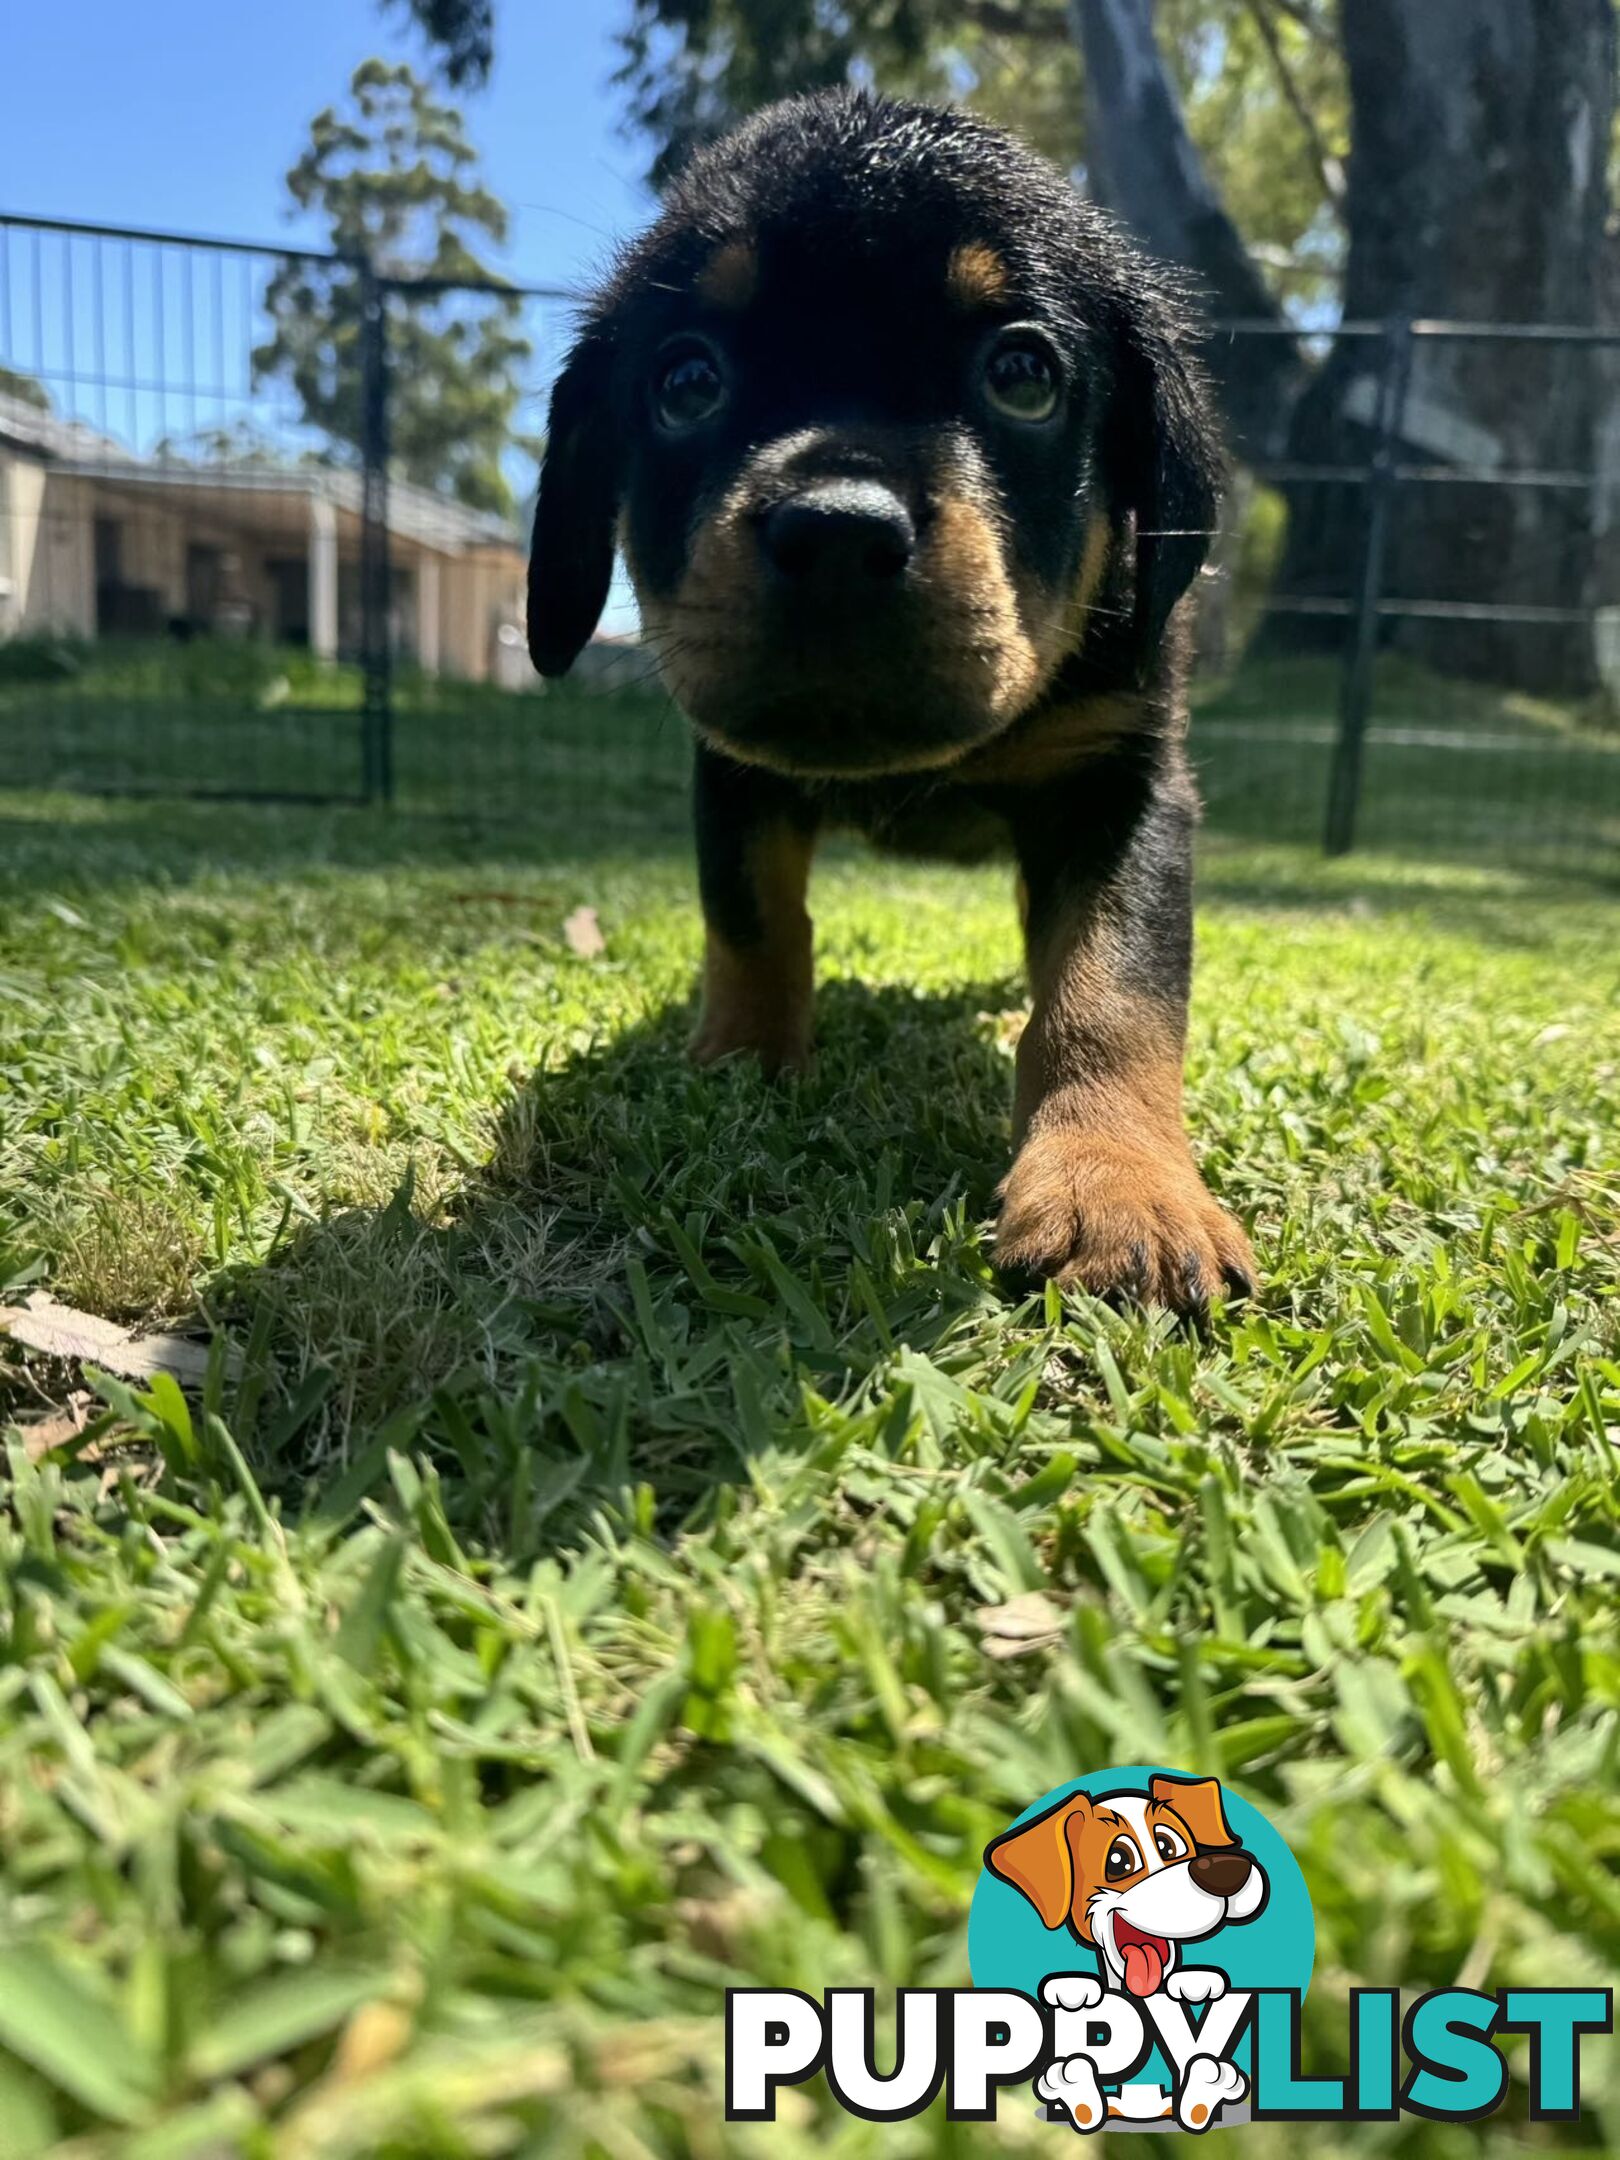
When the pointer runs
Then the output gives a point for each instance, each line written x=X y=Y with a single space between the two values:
x=1037 y=1860
x=1168 y=465
x=571 y=560
x=1198 y=1802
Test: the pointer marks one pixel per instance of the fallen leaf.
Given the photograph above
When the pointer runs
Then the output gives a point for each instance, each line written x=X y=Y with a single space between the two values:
x=42 y=1434
x=80 y=1338
x=719 y=1926
x=369 y=2042
x=1023 y=1623
x=1004 y=1028
x=584 y=934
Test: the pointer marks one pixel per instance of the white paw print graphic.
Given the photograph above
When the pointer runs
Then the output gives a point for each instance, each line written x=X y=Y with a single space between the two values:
x=1208 y=2087
x=1071 y=1991
x=1071 y=2087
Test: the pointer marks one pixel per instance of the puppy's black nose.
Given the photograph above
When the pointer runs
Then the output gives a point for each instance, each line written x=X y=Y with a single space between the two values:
x=851 y=533
x=1222 y=1874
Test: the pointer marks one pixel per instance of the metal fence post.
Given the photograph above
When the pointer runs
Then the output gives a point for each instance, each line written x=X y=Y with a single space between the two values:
x=376 y=657
x=1356 y=692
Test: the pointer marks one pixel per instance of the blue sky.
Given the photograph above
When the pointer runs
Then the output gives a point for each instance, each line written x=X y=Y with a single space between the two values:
x=186 y=114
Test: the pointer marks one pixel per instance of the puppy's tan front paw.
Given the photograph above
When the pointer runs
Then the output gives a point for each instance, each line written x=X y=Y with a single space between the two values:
x=756 y=1001
x=780 y=1046
x=1120 y=1218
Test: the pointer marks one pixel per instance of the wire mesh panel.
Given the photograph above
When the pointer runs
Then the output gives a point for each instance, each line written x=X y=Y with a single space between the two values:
x=175 y=541
x=1408 y=644
x=473 y=727
x=1495 y=700
x=255 y=539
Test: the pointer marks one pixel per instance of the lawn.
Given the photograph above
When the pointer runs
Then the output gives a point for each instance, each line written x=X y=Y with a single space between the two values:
x=1449 y=769
x=584 y=1579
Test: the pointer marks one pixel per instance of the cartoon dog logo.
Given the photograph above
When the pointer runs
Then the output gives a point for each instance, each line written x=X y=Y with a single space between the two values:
x=1136 y=1876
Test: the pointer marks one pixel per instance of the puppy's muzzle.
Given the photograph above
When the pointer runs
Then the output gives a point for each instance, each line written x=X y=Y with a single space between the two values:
x=848 y=609
x=1222 y=1874
x=840 y=540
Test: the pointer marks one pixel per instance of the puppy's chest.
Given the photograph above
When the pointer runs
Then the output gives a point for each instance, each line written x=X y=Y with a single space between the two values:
x=911 y=817
x=968 y=813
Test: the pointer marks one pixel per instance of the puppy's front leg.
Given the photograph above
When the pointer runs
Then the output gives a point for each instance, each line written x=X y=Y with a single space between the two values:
x=1103 y=1190
x=755 y=838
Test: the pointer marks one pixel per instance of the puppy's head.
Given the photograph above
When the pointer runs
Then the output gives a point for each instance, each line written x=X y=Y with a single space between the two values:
x=1134 y=1874
x=888 y=423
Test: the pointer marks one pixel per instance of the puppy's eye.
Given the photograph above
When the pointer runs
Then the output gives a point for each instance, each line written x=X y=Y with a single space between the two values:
x=1168 y=1846
x=688 y=388
x=1021 y=378
x=1123 y=1859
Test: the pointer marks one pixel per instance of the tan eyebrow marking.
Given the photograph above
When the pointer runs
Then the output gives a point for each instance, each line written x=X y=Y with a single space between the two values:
x=730 y=277
x=1160 y=1811
x=976 y=276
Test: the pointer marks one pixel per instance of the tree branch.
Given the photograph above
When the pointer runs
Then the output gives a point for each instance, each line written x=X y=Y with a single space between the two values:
x=464 y=33
x=1031 y=24
x=1300 y=11
x=1329 y=169
x=1145 y=166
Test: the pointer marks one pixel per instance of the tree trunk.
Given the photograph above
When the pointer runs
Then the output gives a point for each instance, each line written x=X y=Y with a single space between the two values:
x=1144 y=167
x=1477 y=191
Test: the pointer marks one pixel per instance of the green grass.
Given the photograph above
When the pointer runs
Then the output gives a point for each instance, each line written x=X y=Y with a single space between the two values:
x=577 y=1591
x=160 y=718
x=1450 y=769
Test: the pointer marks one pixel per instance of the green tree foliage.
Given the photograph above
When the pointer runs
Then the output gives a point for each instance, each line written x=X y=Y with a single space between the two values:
x=1264 y=91
x=1262 y=83
x=462 y=31
x=27 y=389
x=396 y=183
x=237 y=443
x=691 y=68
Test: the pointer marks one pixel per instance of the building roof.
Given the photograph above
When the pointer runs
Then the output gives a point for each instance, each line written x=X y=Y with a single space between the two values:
x=414 y=513
x=37 y=428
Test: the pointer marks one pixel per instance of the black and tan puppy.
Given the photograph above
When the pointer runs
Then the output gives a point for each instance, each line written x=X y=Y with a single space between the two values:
x=910 y=472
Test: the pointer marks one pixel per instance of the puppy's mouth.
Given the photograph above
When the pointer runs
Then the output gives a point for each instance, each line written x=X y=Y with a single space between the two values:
x=838 y=632
x=906 y=692
x=821 y=727
x=1143 y=1958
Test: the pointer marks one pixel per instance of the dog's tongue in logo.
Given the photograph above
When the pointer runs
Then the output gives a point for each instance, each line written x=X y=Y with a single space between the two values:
x=1145 y=1956
x=1148 y=1913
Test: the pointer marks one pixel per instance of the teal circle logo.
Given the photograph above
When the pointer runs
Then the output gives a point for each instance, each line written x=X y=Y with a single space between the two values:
x=1135 y=1895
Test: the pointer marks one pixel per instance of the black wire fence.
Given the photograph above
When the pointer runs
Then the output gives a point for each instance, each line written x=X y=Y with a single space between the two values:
x=216 y=578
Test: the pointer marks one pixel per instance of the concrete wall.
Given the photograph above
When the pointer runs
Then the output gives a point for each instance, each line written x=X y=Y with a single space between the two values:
x=48 y=562
x=478 y=591
x=50 y=565
x=449 y=607
x=155 y=534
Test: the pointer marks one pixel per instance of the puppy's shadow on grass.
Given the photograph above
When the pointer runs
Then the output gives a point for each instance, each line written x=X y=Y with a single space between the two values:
x=652 y=1268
